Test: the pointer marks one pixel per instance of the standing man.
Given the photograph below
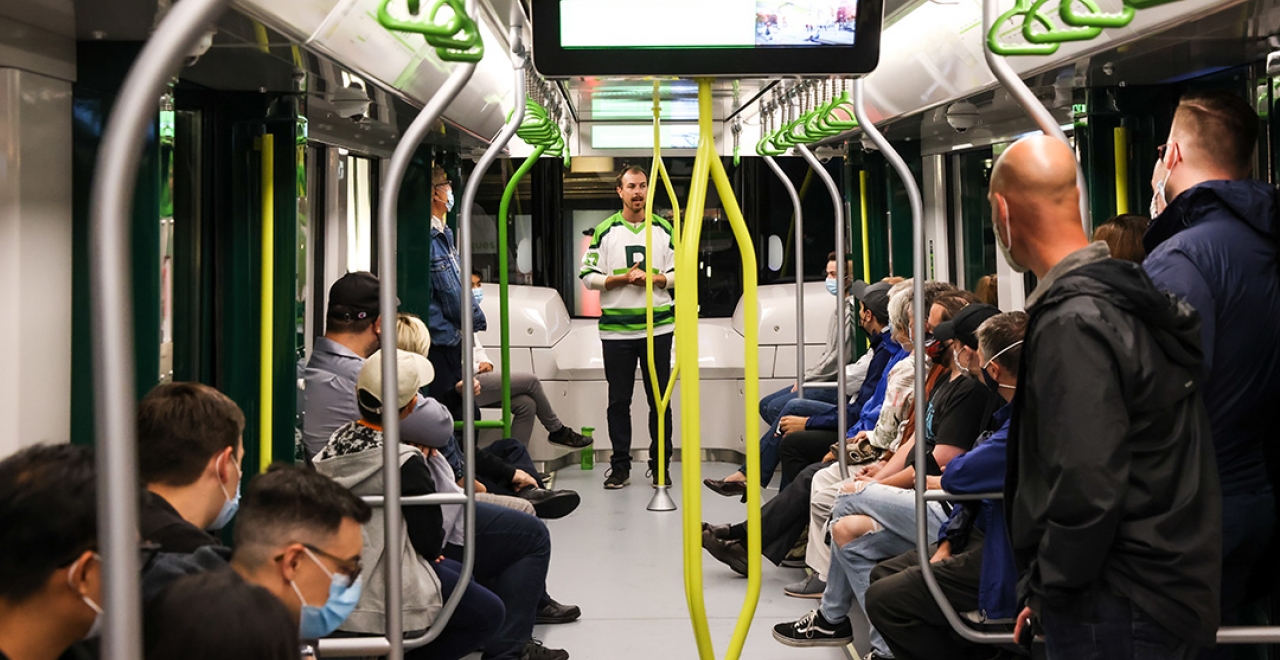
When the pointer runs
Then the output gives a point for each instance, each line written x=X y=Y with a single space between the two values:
x=1112 y=495
x=1214 y=246
x=616 y=265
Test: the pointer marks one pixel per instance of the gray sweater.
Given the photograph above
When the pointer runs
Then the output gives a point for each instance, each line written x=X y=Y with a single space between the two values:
x=825 y=369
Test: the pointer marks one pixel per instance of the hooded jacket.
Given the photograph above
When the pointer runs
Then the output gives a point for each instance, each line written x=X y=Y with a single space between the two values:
x=361 y=473
x=1112 y=481
x=1215 y=247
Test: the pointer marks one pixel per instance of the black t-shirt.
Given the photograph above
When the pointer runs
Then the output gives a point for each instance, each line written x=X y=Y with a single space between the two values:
x=162 y=524
x=957 y=414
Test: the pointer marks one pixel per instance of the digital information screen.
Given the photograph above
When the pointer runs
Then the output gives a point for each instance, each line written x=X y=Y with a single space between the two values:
x=742 y=38
x=708 y=24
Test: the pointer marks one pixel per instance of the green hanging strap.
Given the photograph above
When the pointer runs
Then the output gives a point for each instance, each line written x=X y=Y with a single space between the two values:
x=456 y=39
x=1020 y=9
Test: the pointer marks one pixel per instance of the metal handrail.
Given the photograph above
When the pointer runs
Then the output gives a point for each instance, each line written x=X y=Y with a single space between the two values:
x=111 y=317
x=842 y=419
x=798 y=229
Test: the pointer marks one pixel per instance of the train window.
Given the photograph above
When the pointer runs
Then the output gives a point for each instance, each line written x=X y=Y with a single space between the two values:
x=977 y=248
x=775 y=253
x=359 y=214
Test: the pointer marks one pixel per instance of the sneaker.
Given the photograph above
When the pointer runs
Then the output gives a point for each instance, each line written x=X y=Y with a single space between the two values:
x=810 y=587
x=567 y=437
x=814 y=630
x=534 y=650
x=653 y=476
x=729 y=553
x=553 y=613
x=615 y=479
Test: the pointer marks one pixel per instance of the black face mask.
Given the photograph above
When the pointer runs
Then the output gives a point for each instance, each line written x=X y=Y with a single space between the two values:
x=990 y=382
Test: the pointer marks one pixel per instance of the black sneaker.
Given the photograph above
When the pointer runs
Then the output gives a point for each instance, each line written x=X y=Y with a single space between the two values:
x=615 y=479
x=813 y=630
x=553 y=613
x=534 y=650
x=653 y=476
x=567 y=437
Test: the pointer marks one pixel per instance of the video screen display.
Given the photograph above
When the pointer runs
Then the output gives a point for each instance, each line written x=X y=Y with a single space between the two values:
x=702 y=24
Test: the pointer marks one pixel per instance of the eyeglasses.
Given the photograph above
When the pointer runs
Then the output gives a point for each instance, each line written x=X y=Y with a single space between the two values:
x=348 y=567
x=444 y=183
x=147 y=552
x=1161 y=149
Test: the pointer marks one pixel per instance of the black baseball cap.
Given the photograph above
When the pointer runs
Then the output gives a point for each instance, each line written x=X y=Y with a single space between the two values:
x=355 y=296
x=874 y=296
x=964 y=325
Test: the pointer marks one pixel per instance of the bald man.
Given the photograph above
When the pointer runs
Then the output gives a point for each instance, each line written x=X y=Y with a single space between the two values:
x=1215 y=245
x=1112 y=500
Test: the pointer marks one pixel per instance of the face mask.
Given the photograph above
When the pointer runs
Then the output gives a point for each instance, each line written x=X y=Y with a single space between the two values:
x=831 y=286
x=1004 y=249
x=448 y=202
x=232 y=504
x=1158 y=202
x=955 y=359
x=96 y=627
x=478 y=294
x=991 y=382
x=934 y=349
x=344 y=594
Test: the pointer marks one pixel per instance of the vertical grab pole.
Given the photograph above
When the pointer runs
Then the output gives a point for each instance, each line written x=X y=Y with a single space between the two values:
x=266 y=346
x=387 y=211
x=798 y=225
x=1032 y=106
x=111 y=318
x=504 y=305
x=661 y=500
x=842 y=420
x=918 y=323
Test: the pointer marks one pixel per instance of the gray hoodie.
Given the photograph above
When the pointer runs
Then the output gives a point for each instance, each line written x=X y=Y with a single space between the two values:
x=361 y=473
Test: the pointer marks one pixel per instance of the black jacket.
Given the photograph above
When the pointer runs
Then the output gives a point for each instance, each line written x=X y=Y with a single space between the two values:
x=1112 y=480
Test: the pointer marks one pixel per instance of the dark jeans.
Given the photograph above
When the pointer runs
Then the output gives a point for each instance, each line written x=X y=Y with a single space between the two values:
x=771 y=404
x=801 y=449
x=447 y=361
x=477 y=618
x=513 y=453
x=901 y=608
x=771 y=442
x=1100 y=625
x=1247 y=522
x=785 y=517
x=513 y=551
x=620 y=358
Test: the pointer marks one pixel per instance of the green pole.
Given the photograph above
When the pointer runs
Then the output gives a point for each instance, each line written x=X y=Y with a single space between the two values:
x=503 y=281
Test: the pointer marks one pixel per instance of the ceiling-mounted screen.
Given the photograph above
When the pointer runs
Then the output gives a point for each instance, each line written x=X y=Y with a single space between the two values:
x=739 y=38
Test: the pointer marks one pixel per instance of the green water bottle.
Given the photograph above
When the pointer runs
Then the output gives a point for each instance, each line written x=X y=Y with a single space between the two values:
x=588 y=452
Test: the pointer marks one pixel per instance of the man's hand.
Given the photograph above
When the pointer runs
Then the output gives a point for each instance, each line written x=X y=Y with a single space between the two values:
x=635 y=276
x=872 y=470
x=791 y=424
x=933 y=483
x=795 y=387
x=484 y=367
x=523 y=480
x=1023 y=622
x=475 y=385
x=944 y=552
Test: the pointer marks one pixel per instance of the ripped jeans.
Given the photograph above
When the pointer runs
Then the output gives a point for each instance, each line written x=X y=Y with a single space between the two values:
x=894 y=511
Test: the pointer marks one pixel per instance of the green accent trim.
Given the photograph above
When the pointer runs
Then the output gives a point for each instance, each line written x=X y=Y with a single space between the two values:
x=660 y=317
x=623 y=311
x=504 y=313
x=603 y=228
x=631 y=327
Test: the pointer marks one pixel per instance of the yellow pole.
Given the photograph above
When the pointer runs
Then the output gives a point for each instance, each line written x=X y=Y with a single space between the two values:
x=708 y=165
x=661 y=397
x=266 y=349
x=866 y=247
x=1122 y=169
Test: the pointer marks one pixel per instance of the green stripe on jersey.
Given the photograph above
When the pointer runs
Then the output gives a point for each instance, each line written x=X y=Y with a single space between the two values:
x=631 y=327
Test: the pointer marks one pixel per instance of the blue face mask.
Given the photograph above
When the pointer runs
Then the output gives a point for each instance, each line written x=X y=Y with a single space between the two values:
x=344 y=594
x=448 y=202
x=478 y=294
x=232 y=504
x=831 y=286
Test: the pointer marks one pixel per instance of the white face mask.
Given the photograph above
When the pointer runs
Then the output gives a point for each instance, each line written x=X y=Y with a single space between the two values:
x=96 y=627
x=1158 y=202
x=1004 y=249
x=448 y=202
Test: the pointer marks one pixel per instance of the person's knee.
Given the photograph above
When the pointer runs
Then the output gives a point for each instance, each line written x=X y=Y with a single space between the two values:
x=523 y=404
x=850 y=528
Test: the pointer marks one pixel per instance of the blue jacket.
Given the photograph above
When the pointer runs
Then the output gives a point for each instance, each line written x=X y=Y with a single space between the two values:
x=981 y=470
x=1215 y=246
x=887 y=353
x=444 y=319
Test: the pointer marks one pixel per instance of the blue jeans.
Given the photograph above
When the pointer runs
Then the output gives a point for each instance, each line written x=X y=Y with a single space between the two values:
x=513 y=552
x=850 y=574
x=1100 y=625
x=771 y=405
x=771 y=440
x=477 y=618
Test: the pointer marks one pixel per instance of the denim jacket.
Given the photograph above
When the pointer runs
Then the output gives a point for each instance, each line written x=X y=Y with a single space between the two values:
x=444 y=319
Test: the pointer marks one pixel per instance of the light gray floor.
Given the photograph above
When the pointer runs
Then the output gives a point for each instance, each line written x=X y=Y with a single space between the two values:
x=623 y=566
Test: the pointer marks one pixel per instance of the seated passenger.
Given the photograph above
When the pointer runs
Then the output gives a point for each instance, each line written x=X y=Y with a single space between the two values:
x=874 y=516
x=873 y=316
x=50 y=567
x=513 y=550
x=496 y=465
x=189 y=455
x=176 y=624
x=527 y=398
x=972 y=558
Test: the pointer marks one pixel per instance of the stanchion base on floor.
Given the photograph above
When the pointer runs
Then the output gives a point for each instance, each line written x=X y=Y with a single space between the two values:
x=661 y=500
